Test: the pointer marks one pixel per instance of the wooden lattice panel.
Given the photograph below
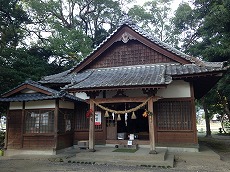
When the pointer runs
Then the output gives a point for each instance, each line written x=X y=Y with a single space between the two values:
x=14 y=129
x=131 y=53
x=173 y=115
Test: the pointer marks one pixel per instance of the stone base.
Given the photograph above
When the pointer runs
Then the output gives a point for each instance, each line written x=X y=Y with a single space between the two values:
x=92 y=150
x=153 y=152
x=122 y=146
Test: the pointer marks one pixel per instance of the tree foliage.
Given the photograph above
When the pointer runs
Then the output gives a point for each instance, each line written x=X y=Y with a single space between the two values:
x=207 y=30
x=18 y=63
x=155 y=16
x=12 y=17
x=74 y=27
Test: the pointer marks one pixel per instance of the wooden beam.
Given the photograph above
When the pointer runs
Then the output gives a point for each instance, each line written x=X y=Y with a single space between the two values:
x=124 y=99
x=91 y=128
x=151 y=128
x=120 y=99
x=133 y=87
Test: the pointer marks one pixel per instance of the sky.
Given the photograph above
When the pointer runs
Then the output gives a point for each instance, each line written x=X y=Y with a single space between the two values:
x=174 y=6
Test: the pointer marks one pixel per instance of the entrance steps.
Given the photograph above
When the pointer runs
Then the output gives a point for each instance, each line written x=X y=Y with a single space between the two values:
x=105 y=155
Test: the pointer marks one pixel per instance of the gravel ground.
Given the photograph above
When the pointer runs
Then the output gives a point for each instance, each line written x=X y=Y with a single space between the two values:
x=184 y=162
x=44 y=166
x=204 y=161
x=38 y=166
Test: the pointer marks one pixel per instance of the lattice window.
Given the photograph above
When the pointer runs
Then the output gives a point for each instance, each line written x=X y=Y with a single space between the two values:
x=39 y=121
x=82 y=122
x=174 y=115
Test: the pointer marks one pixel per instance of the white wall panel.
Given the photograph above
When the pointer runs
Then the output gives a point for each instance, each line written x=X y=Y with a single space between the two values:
x=66 y=104
x=176 y=89
x=15 y=105
x=40 y=104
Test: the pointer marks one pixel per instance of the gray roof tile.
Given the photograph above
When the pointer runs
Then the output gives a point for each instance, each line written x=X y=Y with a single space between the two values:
x=123 y=76
x=37 y=96
x=153 y=74
x=188 y=69
x=140 y=75
x=26 y=97
x=65 y=77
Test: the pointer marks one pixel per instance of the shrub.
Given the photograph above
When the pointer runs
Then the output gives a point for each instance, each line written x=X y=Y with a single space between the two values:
x=2 y=138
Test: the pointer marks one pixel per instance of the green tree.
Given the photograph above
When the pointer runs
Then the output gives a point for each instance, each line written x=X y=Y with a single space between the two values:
x=155 y=17
x=18 y=63
x=74 y=27
x=207 y=35
x=12 y=17
x=186 y=24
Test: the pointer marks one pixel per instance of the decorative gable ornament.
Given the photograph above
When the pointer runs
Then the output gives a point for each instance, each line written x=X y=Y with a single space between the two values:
x=126 y=37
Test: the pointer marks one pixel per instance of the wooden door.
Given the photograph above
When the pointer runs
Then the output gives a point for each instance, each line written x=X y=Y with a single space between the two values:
x=111 y=129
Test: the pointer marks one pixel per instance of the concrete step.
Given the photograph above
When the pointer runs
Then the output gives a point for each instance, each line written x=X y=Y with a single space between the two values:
x=140 y=158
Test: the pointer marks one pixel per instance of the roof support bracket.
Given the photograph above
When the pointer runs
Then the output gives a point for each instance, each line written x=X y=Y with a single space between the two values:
x=150 y=91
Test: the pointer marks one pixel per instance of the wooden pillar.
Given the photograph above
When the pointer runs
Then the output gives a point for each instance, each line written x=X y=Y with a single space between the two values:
x=193 y=111
x=22 y=122
x=151 y=128
x=56 y=125
x=91 y=128
x=7 y=126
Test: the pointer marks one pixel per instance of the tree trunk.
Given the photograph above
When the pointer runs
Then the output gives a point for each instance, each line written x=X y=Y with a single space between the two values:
x=227 y=111
x=207 y=120
x=225 y=103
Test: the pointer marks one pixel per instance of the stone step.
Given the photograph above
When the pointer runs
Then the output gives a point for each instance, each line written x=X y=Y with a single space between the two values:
x=141 y=157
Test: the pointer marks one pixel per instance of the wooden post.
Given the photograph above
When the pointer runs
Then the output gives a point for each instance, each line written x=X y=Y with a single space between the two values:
x=56 y=125
x=151 y=128
x=91 y=128
x=22 y=122
x=7 y=126
x=193 y=107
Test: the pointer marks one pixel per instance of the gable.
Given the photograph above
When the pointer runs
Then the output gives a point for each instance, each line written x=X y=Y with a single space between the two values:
x=26 y=89
x=33 y=91
x=128 y=54
x=128 y=35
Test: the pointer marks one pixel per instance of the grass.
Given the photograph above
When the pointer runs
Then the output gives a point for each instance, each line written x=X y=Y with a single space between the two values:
x=125 y=150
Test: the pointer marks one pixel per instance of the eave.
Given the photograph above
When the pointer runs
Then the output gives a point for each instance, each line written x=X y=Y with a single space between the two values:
x=74 y=90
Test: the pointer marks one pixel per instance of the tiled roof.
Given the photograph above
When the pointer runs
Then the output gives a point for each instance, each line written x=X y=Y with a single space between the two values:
x=34 y=84
x=65 y=77
x=123 y=76
x=189 y=69
x=37 y=96
x=141 y=75
x=95 y=74
x=26 y=97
